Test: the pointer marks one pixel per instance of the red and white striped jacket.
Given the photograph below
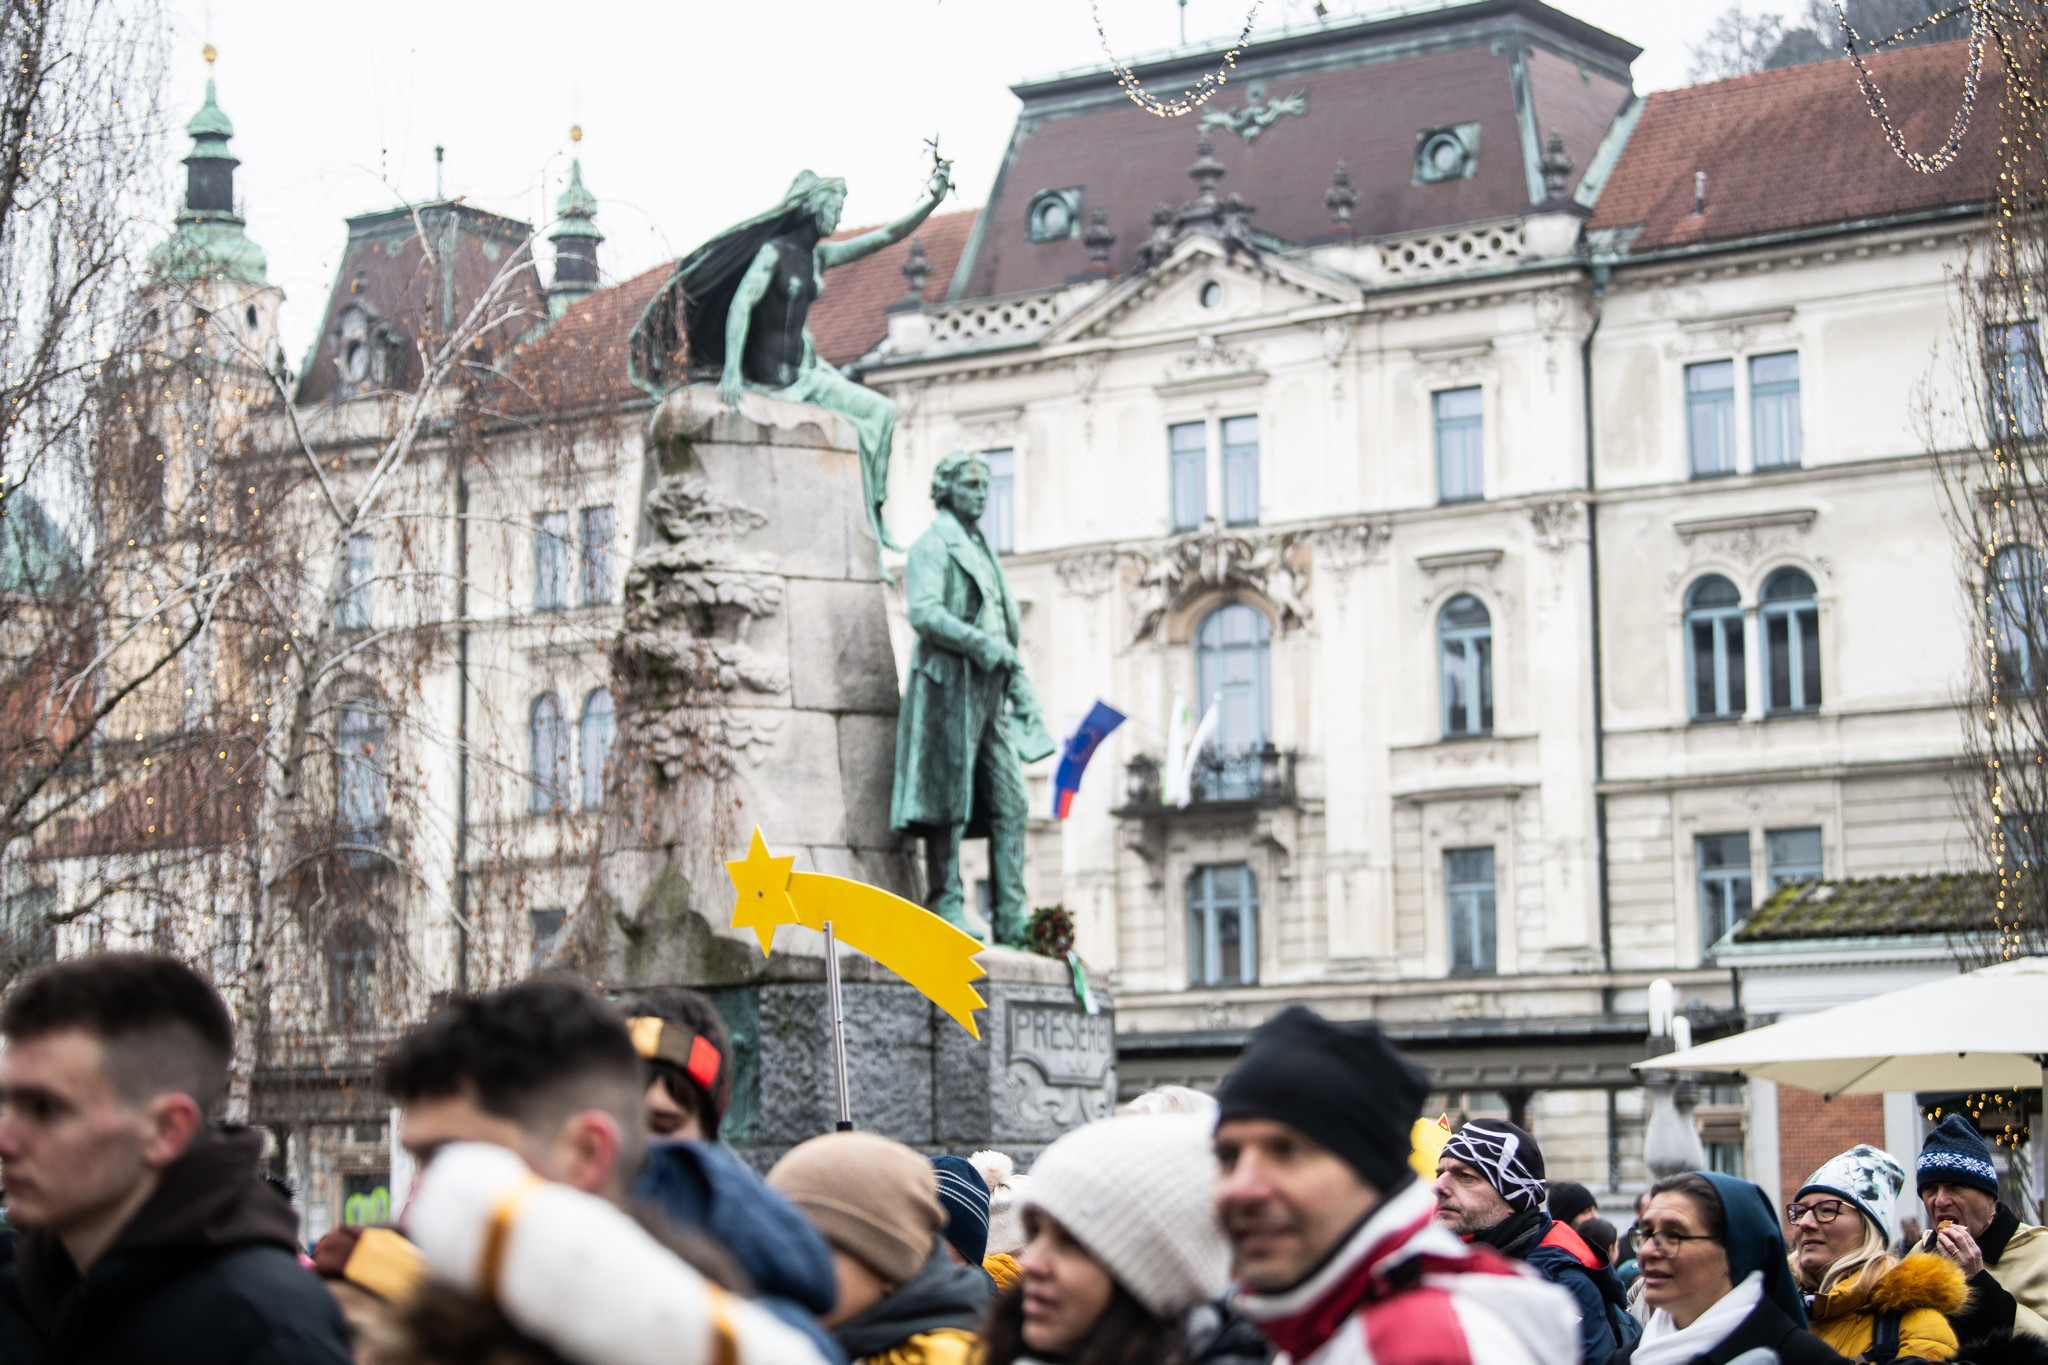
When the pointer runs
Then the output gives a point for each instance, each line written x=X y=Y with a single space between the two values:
x=1404 y=1290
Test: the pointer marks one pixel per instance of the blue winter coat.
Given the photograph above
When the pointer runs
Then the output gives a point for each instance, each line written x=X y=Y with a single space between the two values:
x=703 y=1185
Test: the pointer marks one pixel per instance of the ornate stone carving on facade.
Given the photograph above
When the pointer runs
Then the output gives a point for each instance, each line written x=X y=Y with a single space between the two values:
x=1347 y=548
x=1336 y=338
x=1745 y=539
x=1258 y=113
x=1088 y=575
x=1555 y=519
x=690 y=603
x=1211 y=357
x=1274 y=566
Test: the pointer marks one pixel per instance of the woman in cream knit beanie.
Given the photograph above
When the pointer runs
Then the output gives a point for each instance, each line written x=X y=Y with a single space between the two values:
x=1123 y=1241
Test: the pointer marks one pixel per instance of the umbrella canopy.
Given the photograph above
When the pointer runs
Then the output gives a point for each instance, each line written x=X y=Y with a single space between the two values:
x=1983 y=1030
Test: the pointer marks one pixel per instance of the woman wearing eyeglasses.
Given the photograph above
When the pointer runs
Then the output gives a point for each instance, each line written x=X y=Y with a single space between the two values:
x=1714 y=1275
x=1844 y=1221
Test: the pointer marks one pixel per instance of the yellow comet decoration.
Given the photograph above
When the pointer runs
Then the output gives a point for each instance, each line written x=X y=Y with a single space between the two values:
x=903 y=936
x=1427 y=1140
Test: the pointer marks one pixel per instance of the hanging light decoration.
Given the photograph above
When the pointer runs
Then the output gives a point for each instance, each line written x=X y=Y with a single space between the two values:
x=1982 y=14
x=1188 y=100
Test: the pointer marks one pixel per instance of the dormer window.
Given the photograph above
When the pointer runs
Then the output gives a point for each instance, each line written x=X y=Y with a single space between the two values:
x=1446 y=153
x=1053 y=215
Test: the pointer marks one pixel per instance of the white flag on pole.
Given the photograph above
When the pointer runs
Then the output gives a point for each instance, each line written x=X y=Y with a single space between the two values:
x=1184 y=794
x=1176 y=743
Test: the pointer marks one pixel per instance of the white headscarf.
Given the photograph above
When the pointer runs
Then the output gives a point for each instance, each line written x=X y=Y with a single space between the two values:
x=1666 y=1343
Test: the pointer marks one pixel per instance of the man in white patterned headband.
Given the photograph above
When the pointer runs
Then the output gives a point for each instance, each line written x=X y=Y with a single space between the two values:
x=1489 y=1189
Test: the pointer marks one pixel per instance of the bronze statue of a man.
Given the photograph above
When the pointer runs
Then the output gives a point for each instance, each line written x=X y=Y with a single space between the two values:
x=970 y=720
x=738 y=309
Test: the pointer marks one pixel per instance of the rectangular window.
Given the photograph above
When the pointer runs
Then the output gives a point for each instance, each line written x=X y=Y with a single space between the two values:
x=1460 y=427
x=1710 y=417
x=1725 y=1158
x=547 y=927
x=552 y=558
x=2016 y=379
x=1223 y=926
x=359 y=566
x=999 y=518
x=1241 y=471
x=1188 y=449
x=1724 y=885
x=1793 y=856
x=1774 y=409
x=600 y=526
x=1468 y=889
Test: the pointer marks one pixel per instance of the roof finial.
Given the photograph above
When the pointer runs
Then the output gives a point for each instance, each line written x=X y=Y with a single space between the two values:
x=1099 y=238
x=1340 y=199
x=916 y=268
x=575 y=132
x=210 y=54
x=1556 y=166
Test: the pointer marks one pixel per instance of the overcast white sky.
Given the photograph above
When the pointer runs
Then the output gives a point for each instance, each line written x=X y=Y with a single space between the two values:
x=696 y=112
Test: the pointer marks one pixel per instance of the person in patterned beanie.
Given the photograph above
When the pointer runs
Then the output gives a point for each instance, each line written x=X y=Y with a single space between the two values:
x=2005 y=1260
x=1862 y=1298
x=1489 y=1189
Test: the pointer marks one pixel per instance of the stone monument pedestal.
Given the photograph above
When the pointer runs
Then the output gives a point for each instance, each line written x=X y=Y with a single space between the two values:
x=759 y=687
x=1042 y=1065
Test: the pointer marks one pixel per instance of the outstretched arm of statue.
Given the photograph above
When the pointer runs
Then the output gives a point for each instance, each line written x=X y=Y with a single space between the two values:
x=753 y=287
x=853 y=248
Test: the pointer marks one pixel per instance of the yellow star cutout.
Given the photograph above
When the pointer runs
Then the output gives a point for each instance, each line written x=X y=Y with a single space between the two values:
x=762 y=884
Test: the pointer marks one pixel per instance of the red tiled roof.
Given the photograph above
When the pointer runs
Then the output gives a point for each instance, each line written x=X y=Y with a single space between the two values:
x=190 y=800
x=847 y=319
x=1798 y=148
x=579 y=362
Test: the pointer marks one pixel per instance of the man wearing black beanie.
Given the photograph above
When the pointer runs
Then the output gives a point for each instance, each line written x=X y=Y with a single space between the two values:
x=1329 y=1224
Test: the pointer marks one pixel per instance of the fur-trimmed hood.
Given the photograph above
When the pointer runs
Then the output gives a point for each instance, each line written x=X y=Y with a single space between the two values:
x=1919 y=1281
x=1922 y=1280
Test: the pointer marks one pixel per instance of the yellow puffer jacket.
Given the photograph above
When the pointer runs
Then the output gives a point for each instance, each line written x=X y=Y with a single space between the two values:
x=940 y=1346
x=1924 y=1288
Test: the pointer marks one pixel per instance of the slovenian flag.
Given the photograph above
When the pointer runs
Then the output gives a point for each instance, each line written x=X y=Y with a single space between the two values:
x=1079 y=748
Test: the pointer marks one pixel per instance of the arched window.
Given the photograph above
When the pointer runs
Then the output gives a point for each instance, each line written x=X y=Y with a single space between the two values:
x=2019 y=622
x=361 y=798
x=1232 y=670
x=553 y=776
x=1791 y=628
x=1713 y=629
x=1223 y=926
x=1464 y=635
x=596 y=745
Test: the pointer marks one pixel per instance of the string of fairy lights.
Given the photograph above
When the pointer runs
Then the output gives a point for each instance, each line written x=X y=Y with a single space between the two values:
x=1188 y=100
x=1926 y=163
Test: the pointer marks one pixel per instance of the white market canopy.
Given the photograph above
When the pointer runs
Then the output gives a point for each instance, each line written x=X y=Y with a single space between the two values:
x=1982 y=1030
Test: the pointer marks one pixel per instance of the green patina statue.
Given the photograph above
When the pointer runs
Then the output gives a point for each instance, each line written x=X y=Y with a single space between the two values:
x=737 y=310
x=970 y=720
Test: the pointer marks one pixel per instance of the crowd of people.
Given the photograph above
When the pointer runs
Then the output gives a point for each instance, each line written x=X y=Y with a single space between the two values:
x=574 y=1205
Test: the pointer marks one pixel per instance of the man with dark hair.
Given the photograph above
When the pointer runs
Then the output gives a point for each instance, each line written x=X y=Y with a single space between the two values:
x=145 y=1233
x=551 y=1072
x=1338 y=1257
x=682 y=1039
x=544 y=1068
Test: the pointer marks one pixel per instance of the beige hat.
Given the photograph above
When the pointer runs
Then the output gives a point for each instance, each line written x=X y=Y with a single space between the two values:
x=876 y=1200
x=1136 y=1191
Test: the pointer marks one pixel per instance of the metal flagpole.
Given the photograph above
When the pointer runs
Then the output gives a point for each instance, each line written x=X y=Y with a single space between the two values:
x=838 y=1008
